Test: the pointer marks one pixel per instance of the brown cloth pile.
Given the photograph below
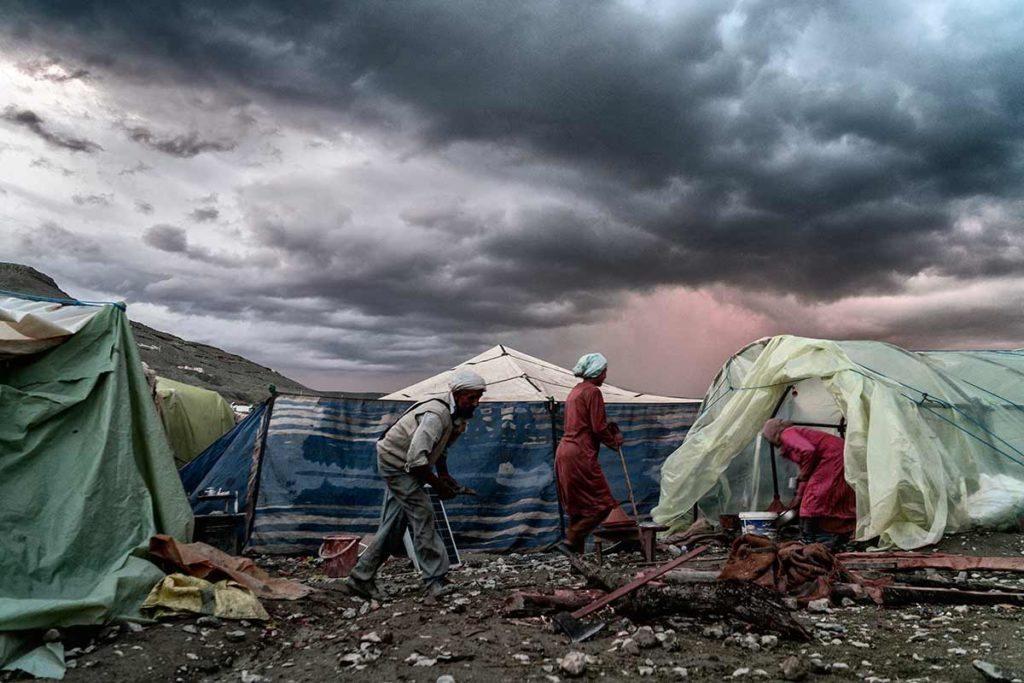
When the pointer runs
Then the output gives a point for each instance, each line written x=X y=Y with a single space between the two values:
x=805 y=572
x=206 y=562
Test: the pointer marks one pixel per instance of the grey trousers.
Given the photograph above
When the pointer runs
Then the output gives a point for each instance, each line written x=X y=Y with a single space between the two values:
x=406 y=505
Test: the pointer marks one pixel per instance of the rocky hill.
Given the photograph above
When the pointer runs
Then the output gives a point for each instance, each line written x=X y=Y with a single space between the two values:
x=234 y=377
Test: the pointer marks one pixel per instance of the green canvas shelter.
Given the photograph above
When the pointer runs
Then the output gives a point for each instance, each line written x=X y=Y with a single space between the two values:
x=193 y=418
x=934 y=440
x=86 y=475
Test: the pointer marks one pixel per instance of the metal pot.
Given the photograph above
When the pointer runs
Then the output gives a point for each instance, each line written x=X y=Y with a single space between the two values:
x=786 y=518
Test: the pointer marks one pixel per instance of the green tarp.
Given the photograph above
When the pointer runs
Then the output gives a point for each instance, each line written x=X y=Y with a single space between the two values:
x=86 y=477
x=193 y=418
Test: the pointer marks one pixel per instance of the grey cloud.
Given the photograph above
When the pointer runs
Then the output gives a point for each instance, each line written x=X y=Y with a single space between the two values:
x=50 y=238
x=204 y=215
x=143 y=207
x=184 y=146
x=51 y=70
x=174 y=240
x=168 y=238
x=137 y=168
x=29 y=119
x=43 y=162
x=92 y=199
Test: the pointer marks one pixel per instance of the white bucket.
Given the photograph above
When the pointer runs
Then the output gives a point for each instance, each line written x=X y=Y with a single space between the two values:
x=758 y=523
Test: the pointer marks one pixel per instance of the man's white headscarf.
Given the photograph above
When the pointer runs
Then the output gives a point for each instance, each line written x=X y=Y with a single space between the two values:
x=590 y=365
x=465 y=379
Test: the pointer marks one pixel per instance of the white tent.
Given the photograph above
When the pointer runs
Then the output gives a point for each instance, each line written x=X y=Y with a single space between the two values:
x=517 y=377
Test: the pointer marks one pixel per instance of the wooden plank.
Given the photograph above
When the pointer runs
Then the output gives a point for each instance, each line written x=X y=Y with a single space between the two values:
x=636 y=583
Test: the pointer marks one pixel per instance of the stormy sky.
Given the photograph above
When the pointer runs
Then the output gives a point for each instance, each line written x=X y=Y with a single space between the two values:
x=359 y=194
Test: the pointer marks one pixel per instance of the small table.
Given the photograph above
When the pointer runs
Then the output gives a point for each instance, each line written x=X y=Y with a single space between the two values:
x=645 y=534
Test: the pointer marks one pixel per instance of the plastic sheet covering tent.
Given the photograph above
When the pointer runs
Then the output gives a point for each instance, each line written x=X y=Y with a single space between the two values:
x=193 y=417
x=86 y=477
x=306 y=467
x=934 y=440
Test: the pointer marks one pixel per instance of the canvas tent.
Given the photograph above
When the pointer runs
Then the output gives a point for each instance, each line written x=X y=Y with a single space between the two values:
x=305 y=466
x=86 y=475
x=193 y=417
x=934 y=440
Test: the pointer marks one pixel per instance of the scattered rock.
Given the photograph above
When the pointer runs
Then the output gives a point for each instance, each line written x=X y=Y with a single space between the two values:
x=645 y=637
x=740 y=673
x=645 y=670
x=629 y=647
x=819 y=606
x=234 y=636
x=135 y=627
x=445 y=678
x=209 y=622
x=189 y=628
x=573 y=663
x=681 y=672
x=840 y=666
x=252 y=678
x=521 y=658
x=416 y=659
x=991 y=672
x=794 y=668
x=714 y=632
x=768 y=642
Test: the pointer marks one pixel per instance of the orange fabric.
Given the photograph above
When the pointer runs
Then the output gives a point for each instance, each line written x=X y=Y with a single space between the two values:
x=206 y=562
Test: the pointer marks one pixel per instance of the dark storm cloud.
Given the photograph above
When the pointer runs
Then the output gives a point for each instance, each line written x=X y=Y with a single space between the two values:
x=204 y=215
x=816 y=150
x=184 y=146
x=773 y=145
x=29 y=119
x=174 y=240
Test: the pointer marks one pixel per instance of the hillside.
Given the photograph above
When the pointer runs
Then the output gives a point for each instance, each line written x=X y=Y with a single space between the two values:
x=234 y=377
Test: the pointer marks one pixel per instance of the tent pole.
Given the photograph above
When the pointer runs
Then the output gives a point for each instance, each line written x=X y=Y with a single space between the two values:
x=553 y=412
x=257 y=468
x=776 y=504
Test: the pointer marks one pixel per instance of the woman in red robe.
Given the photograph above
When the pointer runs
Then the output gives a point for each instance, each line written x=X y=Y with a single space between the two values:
x=582 y=487
x=826 y=503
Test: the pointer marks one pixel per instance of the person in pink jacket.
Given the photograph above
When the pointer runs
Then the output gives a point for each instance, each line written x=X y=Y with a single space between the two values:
x=825 y=502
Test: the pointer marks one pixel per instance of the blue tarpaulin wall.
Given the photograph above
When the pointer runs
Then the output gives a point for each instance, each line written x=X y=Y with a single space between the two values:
x=317 y=470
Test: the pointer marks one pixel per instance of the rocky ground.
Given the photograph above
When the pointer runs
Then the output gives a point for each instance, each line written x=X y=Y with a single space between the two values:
x=331 y=636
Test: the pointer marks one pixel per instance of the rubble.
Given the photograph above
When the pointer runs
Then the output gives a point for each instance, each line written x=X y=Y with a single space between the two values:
x=573 y=664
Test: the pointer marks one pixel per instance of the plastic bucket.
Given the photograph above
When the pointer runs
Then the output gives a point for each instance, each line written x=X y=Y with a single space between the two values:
x=340 y=553
x=758 y=523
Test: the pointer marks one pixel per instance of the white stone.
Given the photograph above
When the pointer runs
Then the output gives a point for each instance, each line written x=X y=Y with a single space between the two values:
x=574 y=663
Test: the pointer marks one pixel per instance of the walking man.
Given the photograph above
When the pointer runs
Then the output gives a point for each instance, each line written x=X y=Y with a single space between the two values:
x=407 y=455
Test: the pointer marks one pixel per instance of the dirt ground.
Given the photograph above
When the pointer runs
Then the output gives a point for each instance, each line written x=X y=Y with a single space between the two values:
x=331 y=636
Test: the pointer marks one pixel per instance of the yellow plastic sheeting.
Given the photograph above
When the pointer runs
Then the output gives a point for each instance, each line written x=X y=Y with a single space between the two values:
x=178 y=593
x=193 y=418
x=934 y=441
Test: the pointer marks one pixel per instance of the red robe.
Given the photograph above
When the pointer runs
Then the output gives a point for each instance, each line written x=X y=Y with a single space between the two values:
x=581 y=484
x=826 y=494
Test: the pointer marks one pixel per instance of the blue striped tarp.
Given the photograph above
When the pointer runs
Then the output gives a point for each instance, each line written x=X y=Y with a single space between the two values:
x=318 y=474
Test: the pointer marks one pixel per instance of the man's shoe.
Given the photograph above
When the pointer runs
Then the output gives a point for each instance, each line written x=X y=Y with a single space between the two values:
x=367 y=590
x=439 y=588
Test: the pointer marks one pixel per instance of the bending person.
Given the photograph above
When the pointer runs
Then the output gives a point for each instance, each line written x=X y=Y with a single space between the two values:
x=826 y=503
x=407 y=454
x=581 y=484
